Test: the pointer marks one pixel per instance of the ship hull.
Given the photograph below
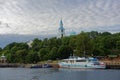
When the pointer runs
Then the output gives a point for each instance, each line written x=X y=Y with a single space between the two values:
x=79 y=66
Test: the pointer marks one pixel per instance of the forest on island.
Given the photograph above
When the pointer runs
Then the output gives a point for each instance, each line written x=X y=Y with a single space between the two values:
x=83 y=44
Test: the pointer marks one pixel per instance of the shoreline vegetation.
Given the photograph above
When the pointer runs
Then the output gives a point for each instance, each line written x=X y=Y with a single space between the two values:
x=103 y=45
x=111 y=63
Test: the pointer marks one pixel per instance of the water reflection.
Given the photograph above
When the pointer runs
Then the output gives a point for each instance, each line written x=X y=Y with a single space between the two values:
x=35 y=78
x=57 y=74
x=43 y=73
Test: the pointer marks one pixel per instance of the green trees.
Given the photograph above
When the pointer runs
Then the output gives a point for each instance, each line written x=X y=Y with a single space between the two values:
x=0 y=51
x=43 y=53
x=64 y=51
x=16 y=52
x=32 y=57
x=86 y=43
x=53 y=54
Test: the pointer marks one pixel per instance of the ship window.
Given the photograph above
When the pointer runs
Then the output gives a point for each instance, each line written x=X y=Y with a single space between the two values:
x=80 y=60
x=93 y=59
x=96 y=63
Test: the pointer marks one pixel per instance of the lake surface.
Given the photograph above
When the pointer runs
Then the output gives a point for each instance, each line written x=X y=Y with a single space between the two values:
x=57 y=74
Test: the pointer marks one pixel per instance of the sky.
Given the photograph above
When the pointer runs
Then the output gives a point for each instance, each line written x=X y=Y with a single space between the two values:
x=40 y=18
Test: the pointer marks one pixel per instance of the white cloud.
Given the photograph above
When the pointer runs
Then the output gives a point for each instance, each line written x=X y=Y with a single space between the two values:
x=42 y=16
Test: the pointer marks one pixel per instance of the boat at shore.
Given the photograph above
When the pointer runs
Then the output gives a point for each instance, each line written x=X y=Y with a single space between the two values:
x=41 y=66
x=75 y=62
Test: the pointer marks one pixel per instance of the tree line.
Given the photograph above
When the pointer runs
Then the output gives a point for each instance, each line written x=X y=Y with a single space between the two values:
x=83 y=44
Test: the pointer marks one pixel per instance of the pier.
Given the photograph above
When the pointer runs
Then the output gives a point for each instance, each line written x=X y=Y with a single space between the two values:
x=109 y=65
x=112 y=65
x=10 y=65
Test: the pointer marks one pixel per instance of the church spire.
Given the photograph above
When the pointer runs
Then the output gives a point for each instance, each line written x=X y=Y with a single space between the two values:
x=61 y=29
x=61 y=23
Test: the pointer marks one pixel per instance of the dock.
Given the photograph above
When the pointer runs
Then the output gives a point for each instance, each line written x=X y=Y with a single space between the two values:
x=109 y=65
x=11 y=65
x=112 y=65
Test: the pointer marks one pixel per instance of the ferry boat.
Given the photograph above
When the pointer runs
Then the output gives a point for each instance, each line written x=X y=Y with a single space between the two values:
x=75 y=62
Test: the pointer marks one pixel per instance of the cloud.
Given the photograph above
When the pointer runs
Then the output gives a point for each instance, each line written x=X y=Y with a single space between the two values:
x=42 y=16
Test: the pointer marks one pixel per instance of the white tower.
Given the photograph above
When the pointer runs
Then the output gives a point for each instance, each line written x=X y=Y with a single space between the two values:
x=61 y=29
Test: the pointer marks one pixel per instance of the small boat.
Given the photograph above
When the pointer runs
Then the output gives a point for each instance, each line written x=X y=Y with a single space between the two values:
x=41 y=66
x=75 y=62
x=36 y=66
x=46 y=66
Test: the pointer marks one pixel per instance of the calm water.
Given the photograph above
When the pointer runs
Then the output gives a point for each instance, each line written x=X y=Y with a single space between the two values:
x=57 y=74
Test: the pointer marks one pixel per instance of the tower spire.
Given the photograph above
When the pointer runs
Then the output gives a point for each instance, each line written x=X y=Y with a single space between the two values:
x=61 y=29
x=61 y=23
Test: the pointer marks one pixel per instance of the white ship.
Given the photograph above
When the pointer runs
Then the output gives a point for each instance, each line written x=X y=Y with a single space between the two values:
x=75 y=62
